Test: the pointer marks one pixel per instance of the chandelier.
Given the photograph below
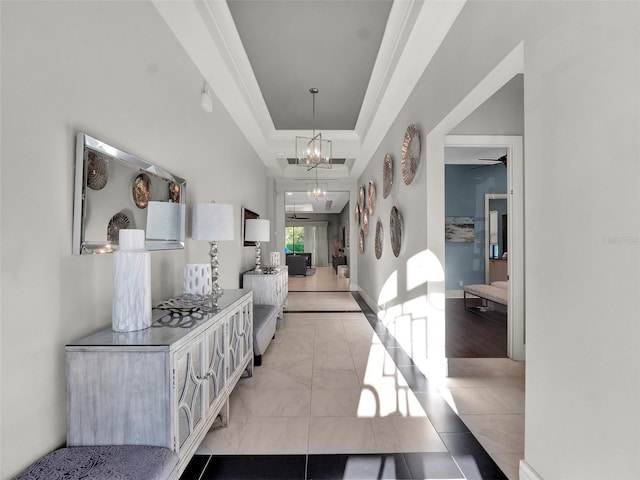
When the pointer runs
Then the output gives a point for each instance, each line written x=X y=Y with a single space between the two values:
x=313 y=152
x=317 y=190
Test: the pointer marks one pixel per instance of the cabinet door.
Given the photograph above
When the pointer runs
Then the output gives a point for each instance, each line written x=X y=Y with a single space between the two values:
x=240 y=336
x=236 y=341
x=188 y=392
x=247 y=328
x=216 y=340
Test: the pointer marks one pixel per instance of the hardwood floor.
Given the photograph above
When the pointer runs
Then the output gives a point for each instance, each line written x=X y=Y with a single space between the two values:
x=474 y=335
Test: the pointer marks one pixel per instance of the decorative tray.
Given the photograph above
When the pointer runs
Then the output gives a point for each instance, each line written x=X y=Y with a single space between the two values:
x=189 y=302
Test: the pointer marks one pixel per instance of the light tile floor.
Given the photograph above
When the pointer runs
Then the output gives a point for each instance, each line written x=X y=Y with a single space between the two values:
x=327 y=385
x=488 y=395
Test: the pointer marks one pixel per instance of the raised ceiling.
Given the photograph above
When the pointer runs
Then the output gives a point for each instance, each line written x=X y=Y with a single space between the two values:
x=260 y=58
x=293 y=46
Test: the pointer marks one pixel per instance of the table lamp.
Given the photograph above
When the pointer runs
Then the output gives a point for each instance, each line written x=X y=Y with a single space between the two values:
x=212 y=222
x=257 y=230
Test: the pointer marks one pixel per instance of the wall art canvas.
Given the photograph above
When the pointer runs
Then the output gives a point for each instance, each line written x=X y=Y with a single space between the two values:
x=459 y=229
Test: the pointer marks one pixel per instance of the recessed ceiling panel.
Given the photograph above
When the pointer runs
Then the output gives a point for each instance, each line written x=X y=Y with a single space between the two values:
x=295 y=45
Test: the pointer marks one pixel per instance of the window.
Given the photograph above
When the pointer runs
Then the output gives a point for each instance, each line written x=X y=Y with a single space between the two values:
x=294 y=239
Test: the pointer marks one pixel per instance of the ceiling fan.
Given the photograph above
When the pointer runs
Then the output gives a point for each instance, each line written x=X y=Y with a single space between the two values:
x=293 y=216
x=501 y=160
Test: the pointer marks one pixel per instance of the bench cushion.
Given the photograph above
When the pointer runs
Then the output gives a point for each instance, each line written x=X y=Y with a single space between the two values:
x=490 y=292
x=264 y=326
x=127 y=462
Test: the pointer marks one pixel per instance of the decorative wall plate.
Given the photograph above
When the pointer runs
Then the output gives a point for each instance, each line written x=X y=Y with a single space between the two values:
x=174 y=192
x=395 y=226
x=141 y=190
x=365 y=223
x=372 y=197
x=410 y=153
x=387 y=175
x=361 y=241
x=379 y=239
x=361 y=193
x=356 y=215
x=97 y=170
x=119 y=221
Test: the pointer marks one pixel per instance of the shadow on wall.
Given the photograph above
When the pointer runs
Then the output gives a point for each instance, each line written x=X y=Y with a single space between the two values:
x=417 y=324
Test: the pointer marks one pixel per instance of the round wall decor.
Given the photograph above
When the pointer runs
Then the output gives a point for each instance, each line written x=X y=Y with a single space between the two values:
x=395 y=226
x=361 y=198
x=119 y=221
x=379 y=239
x=141 y=190
x=97 y=170
x=410 y=153
x=361 y=241
x=372 y=197
x=387 y=175
x=365 y=222
x=356 y=215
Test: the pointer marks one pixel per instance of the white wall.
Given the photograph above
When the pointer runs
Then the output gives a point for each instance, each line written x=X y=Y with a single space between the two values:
x=582 y=229
x=114 y=70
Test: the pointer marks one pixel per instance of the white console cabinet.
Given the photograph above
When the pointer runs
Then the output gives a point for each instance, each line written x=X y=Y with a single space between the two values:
x=269 y=288
x=162 y=386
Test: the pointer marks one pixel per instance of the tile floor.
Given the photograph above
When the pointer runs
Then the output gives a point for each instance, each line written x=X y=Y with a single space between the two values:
x=337 y=398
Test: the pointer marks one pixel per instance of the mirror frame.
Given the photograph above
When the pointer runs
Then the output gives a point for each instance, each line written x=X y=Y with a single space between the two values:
x=82 y=245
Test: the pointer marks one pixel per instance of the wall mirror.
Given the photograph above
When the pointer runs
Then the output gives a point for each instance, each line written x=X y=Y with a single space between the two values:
x=115 y=190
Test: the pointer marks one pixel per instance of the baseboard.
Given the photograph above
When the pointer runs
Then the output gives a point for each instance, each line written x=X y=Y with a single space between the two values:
x=528 y=473
x=370 y=301
x=454 y=294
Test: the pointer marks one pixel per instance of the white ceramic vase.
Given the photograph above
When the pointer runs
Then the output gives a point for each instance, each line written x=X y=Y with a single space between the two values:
x=131 y=283
x=197 y=278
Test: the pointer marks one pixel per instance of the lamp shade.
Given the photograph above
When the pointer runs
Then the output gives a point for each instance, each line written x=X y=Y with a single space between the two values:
x=212 y=222
x=257 y=230
x=165 y=221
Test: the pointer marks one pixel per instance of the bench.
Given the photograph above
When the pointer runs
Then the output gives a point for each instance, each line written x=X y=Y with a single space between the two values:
x=106 y=462
x=497 y=292
x=264 y=329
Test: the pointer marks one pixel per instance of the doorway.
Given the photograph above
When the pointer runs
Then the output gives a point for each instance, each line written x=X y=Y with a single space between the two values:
x=515 y=230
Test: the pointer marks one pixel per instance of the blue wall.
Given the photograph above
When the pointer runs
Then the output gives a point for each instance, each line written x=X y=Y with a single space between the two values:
x=465 y=187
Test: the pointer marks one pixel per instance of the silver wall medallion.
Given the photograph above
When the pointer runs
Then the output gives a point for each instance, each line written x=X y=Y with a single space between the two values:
x=395 y=226
x=387 y=175
x=361 y=193
x=119 y=221
x=141 y=190
x=97 y=170
x=356 y=215
x=410 y=153
x=379 y=239
x=372 y=197
x=365 y=222
x=361 y=241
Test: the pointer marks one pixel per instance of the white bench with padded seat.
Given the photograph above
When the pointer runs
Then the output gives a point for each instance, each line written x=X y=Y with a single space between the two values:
x=497 y=292
x=265 y=318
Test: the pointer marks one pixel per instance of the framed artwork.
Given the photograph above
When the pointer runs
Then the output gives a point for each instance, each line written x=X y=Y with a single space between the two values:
x=459 y=229
x=247 y=215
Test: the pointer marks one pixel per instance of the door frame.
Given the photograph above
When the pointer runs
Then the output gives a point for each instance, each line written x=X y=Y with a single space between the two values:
x=515 y=230
x=487 y=200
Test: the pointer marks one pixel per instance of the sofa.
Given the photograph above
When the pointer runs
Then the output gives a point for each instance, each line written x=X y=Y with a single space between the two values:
x=297 y=264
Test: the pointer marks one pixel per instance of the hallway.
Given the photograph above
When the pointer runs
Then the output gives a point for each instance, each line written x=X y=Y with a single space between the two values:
x=337 y=398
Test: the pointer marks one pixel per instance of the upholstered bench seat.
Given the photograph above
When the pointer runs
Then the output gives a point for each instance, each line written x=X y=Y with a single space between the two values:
x=497 y=292
x=108 y=462
x=264 y=329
